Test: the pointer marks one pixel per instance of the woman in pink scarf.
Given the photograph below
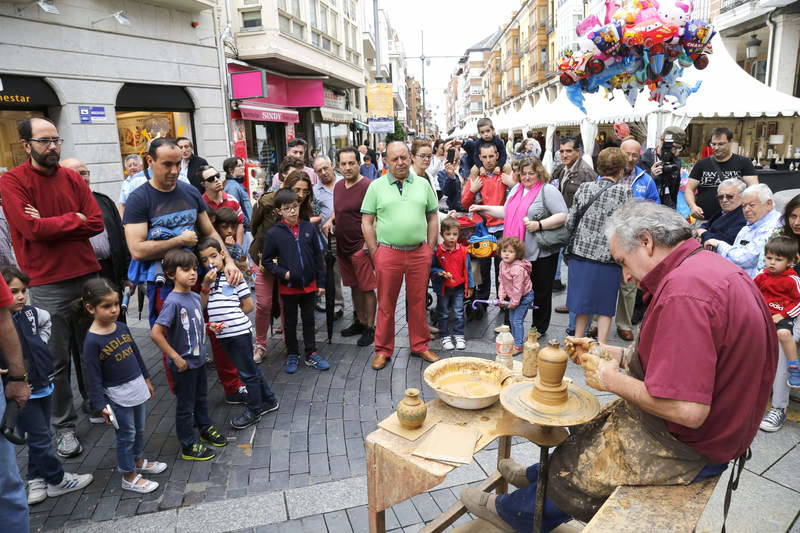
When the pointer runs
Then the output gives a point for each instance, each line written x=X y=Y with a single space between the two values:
x=544 y=207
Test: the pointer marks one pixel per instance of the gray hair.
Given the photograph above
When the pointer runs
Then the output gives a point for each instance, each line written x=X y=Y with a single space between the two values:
x=733 y=182
x=763 y=192
x=665 y=225
x=133 y=156
x=321 y=158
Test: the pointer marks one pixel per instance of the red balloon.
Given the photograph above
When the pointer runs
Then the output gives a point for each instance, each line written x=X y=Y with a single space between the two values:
x=621 y=130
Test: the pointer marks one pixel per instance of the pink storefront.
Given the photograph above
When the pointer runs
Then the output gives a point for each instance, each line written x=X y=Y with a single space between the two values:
x=268 y=110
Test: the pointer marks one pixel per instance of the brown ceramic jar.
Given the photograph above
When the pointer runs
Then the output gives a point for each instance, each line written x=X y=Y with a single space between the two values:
x=411 y=410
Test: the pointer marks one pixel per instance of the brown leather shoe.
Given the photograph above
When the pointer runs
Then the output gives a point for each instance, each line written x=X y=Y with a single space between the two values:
x=561 y=309
x=379 y=361
x=625 y=334
x=428 y=355
x=593 y=331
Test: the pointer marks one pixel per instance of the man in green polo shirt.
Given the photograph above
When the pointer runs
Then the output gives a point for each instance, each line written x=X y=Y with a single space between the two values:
x=400 y=226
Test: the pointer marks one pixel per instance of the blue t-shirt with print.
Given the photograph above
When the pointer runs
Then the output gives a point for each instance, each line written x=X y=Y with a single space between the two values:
x=182 y=316
x=167 y=214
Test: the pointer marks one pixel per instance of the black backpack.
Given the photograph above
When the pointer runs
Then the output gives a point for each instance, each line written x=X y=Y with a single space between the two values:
x=37 y=357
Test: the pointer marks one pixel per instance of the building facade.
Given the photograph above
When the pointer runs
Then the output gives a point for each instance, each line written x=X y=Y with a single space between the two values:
x=310 y=55
x=111 y=82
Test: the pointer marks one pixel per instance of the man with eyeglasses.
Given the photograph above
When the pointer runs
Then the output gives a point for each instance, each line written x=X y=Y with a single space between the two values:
x=216 y=197
x=725 y=225
x=762 y=219
x=709 y=172
x=52 y=214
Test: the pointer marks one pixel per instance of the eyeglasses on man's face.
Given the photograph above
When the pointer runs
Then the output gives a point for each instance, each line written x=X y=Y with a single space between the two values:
x=211 y=179
x=722 y=197
x=290 y=208
x=47 y=141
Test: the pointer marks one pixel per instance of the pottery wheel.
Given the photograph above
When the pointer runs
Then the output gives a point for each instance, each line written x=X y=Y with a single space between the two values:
x=581 y=406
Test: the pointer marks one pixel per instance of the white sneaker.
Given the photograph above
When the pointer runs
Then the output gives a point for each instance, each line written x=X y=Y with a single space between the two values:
x=460 y=342
x=70 y=483
x=447 y=343
x=152 y=467
x=37 y=491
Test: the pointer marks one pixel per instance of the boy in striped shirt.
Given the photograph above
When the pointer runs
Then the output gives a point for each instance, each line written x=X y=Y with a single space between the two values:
x=227 y=308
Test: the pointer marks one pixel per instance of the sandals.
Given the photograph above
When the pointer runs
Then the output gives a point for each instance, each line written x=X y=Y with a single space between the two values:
x=152 y=467
x=134 y=486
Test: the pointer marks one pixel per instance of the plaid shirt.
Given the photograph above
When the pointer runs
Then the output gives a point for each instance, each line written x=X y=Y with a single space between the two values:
x=589 y=239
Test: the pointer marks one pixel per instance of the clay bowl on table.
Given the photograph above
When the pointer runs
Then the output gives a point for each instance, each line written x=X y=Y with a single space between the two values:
x=467 y=382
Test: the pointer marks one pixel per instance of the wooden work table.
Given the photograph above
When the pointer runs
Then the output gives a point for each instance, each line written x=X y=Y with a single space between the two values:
x=394 y=475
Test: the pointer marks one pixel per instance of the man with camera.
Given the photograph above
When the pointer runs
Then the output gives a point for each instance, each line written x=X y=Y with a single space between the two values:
x=708 y=173
x=664 y=165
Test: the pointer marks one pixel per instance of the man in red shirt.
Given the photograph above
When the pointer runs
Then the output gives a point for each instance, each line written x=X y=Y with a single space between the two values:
x=492 y=189
x=52 y=214
x=696 y=386
x=355 y=264
x=216 y=197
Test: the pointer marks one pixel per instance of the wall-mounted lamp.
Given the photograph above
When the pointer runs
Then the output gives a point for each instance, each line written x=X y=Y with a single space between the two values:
x=752 y=46
x=45 y=5
x=121 y=16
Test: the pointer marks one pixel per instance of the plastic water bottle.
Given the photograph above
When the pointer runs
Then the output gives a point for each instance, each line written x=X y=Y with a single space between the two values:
x=504 y=345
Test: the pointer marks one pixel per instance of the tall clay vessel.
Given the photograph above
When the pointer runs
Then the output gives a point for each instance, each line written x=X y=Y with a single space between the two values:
x=411 y=410
x=530 y=353
x=549 y=387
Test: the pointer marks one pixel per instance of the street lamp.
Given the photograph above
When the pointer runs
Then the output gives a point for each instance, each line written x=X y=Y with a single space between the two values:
x=752 y=47
x=426 y=60
x=45 y=5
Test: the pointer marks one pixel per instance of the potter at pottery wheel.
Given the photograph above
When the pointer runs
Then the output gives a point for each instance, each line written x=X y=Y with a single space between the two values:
x=581 y=406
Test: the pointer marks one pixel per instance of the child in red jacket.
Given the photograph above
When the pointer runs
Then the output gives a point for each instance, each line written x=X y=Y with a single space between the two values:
x=451 y=269
x=515 y=285
x=780 y=287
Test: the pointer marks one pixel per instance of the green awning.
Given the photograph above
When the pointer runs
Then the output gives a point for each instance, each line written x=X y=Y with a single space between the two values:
x=360 y=125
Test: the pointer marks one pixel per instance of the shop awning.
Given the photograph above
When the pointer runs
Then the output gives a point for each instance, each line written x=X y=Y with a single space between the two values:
x=329 y=114
x=265 y=113
x=360 y=125
x=140 y=97
x=26 y=92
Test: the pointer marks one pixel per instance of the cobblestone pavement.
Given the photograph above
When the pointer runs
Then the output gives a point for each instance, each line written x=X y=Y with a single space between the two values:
x=303 y=467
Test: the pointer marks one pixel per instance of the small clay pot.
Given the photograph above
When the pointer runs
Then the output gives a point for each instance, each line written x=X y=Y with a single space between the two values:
x=549 y=387
x=411 y=410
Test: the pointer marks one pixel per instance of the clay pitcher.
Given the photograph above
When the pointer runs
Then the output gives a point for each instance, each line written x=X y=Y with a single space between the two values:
x=530 y=354
x=549 y=387
x=411 y=410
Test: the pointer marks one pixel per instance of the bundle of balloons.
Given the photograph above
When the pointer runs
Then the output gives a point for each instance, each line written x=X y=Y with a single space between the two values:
x=642 y=43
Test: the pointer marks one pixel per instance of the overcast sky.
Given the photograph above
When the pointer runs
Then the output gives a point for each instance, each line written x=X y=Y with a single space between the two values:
x=449 y=28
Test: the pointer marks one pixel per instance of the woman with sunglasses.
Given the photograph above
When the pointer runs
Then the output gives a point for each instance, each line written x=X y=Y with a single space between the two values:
x=726 y=224
x=216 y=197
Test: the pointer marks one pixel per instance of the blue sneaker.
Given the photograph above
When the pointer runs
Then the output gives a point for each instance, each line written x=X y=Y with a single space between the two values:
x=291 y=364
x=317 y=362
x=794 y=375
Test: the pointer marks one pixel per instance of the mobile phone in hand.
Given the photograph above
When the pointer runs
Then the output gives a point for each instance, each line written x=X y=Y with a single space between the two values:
x=451 y=156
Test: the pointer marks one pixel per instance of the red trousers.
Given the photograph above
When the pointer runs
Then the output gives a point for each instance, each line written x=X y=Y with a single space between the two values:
x=391 y=266
x=226 y=372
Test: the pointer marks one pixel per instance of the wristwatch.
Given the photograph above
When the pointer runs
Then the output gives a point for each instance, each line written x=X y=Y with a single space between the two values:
x=23 y=378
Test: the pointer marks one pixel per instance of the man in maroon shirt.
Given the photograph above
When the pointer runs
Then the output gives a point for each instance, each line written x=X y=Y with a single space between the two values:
x=355 y=264
x=52 y=214
x=696 y=387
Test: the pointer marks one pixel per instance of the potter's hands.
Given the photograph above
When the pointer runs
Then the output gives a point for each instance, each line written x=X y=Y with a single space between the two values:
x=577 y=346
x=597 y=370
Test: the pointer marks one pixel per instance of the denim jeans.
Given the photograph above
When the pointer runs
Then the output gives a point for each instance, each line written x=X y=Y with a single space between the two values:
x=451 y=303
x=34 y=420
x=517 y=318
x=191 y=406
x=13 y=501
x=240 y=351
x=130 y=435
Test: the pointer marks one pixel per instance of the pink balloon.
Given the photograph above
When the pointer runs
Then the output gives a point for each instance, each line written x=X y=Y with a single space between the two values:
x=621 y=130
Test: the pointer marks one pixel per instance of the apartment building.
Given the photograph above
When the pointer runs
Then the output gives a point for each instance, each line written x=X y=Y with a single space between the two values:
x=465 y=94
x=414 y=114
x=310 y=56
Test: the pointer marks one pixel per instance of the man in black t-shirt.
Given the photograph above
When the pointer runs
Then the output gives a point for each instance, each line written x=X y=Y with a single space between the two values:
x=708 y=173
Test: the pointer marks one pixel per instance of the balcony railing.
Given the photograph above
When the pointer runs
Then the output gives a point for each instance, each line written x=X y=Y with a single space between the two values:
x=727 y=5
x=550 y=27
